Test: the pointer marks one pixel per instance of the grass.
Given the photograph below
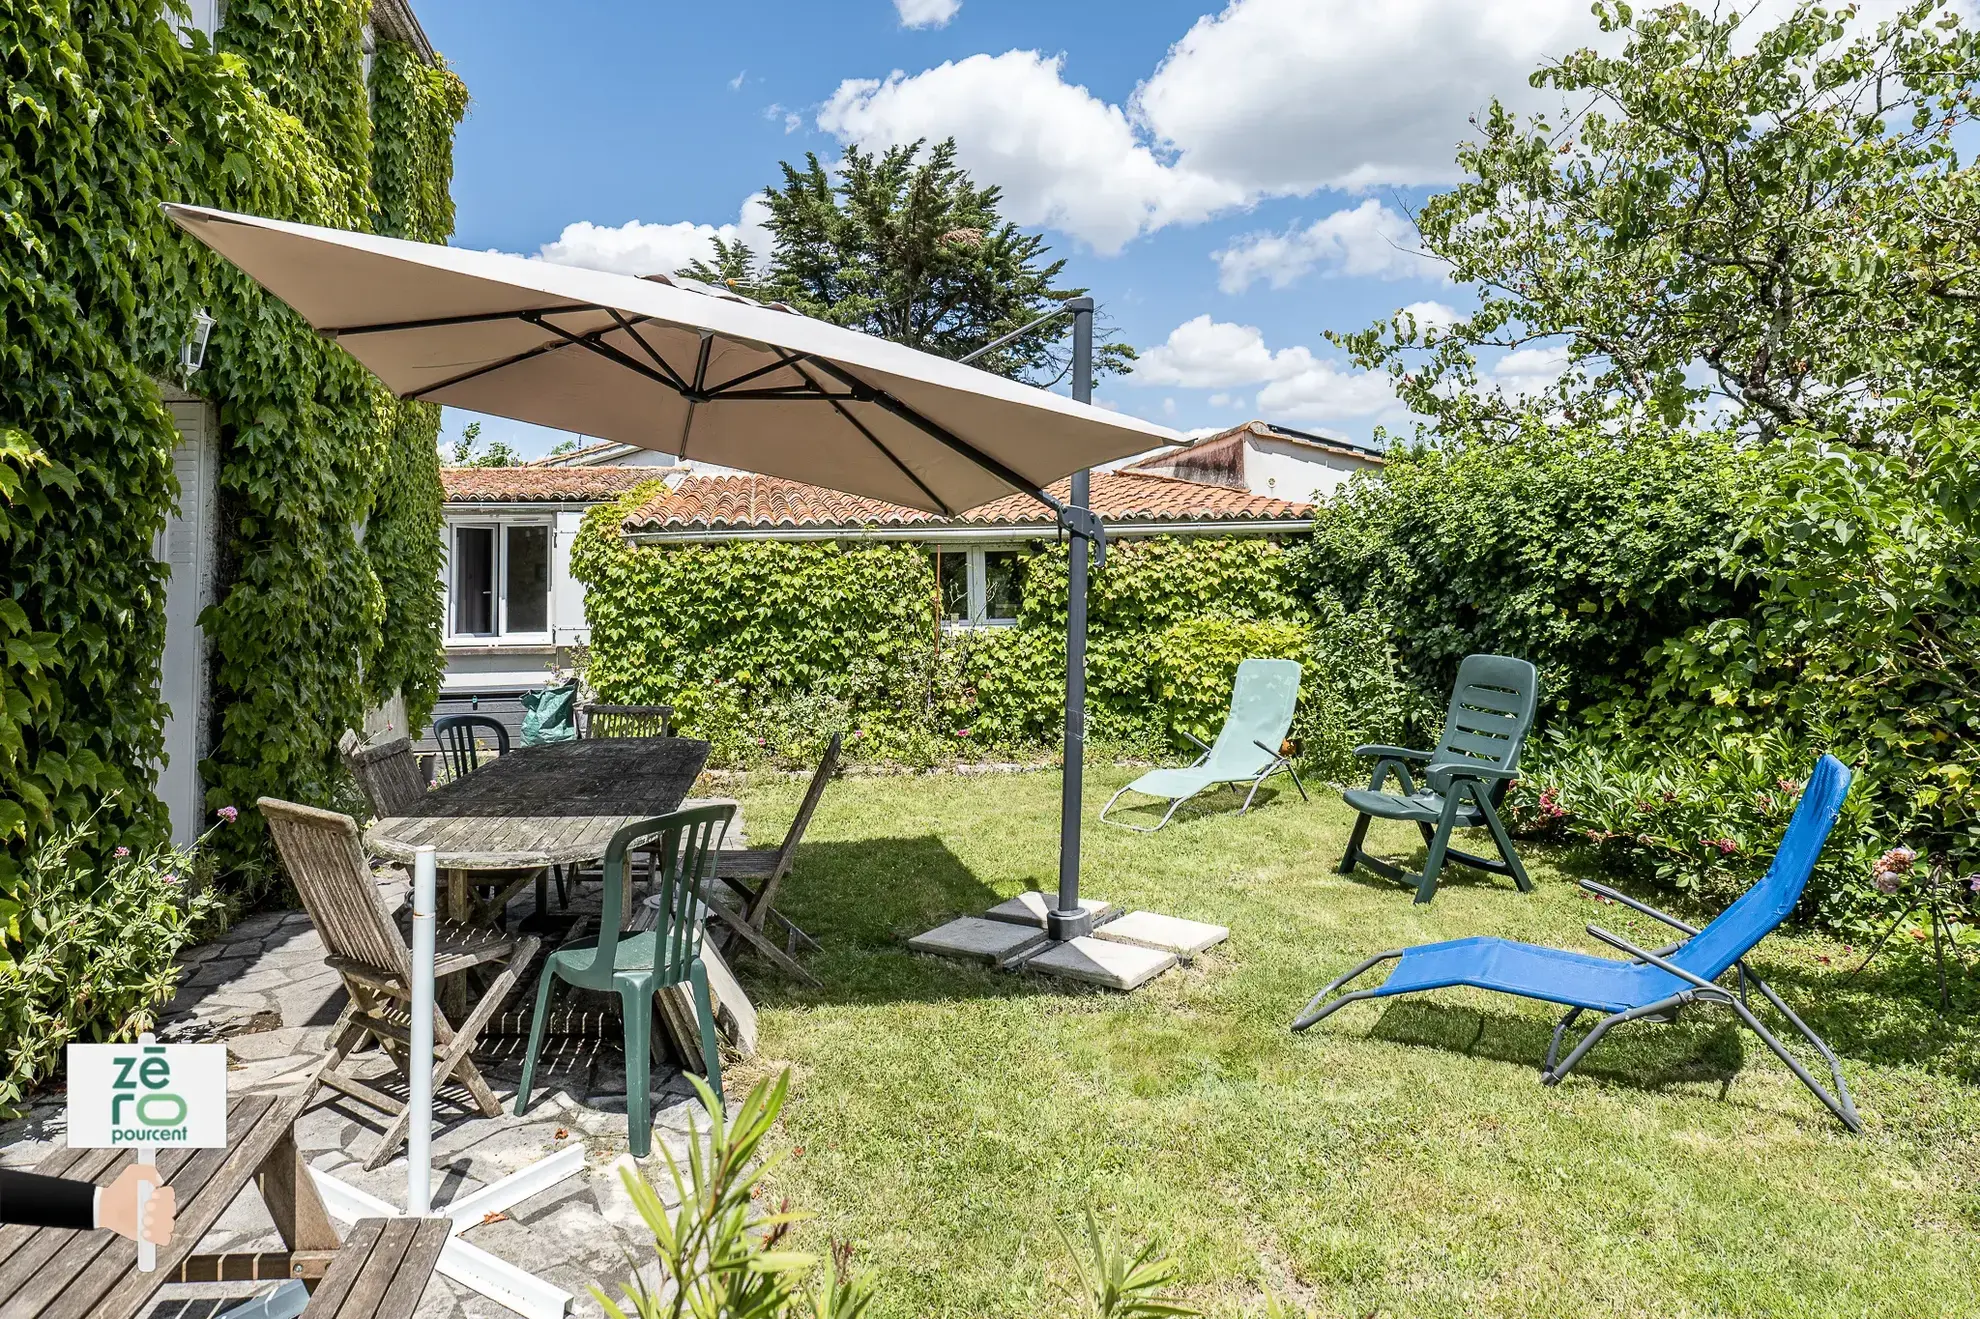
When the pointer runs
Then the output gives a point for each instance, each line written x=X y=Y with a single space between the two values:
x=1400 y=1159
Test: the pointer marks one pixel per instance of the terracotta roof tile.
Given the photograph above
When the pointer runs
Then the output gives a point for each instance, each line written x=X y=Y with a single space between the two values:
x=766 y=503
x=542 y=485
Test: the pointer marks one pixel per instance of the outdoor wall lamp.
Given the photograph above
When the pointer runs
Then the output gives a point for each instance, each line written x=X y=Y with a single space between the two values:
x=192 y=356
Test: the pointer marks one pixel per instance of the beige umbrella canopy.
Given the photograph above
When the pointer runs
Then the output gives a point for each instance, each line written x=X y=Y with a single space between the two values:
x=682 y=367
x=673 y=365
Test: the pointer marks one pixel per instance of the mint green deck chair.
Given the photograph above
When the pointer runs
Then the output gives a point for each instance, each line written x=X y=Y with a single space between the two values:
x=1247 y=751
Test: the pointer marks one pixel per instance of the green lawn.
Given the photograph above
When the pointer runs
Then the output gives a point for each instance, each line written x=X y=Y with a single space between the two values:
x=1400 y=1159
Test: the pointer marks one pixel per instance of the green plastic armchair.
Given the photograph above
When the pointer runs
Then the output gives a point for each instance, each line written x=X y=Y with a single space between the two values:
x=1464 y=779
x=635 y=965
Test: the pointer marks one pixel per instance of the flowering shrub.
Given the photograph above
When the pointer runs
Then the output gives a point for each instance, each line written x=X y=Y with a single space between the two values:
x=88 y=954
x=1701 y=821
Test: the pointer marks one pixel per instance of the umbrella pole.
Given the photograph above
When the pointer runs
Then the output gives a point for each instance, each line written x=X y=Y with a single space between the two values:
x=1069 y=920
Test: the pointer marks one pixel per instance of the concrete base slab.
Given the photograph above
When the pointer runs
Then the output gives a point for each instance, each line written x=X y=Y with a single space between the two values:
x=996 y=943
x=1029 y=908
x=1170 y=934
x=1100 y=962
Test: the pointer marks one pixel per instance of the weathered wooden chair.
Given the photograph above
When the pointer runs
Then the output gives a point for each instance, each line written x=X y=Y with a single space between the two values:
x=600 y=720
x=388 y=774
x=766 y=867
x=463 y=739
x=325 y=860
x=1464 y=779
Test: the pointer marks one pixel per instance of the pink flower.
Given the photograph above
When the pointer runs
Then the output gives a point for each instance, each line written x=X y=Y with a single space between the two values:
x=1974 y=884
x=123 y=851
x=1787 y=785
x=228 y=813
x=171 y=879
x=1886 y=882
x=1897 y=861
x=962 y=732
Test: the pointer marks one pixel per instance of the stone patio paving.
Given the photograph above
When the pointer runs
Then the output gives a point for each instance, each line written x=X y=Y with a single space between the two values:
x=264 y=990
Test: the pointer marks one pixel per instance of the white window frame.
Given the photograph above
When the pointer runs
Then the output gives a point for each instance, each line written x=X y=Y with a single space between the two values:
x=502 y=635
x=978 y=577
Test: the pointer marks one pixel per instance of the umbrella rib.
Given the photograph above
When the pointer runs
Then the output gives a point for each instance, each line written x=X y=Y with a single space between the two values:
x=866 y=393
x=611 y=354
x=441 y=322
x=796 y=365
x=480 y=371
x=632 y=332
x=747 y=376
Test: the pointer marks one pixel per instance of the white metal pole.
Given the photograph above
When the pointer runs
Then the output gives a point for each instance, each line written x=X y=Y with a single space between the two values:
x=147 y=1253
x=419 y=1135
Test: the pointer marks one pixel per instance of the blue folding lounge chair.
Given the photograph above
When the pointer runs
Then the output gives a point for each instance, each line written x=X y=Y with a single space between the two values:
x=1652 y=985
x=1246 y=751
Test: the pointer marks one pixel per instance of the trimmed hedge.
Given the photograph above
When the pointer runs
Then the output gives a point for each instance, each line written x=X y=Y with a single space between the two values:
x=767 y=647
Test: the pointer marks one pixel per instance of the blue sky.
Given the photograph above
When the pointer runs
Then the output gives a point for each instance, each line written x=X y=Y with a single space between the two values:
x=1230 y=182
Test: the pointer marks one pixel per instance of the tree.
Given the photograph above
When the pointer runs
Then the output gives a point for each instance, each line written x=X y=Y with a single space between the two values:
x=500 y=452
x=1781 y=228
x=911 y=250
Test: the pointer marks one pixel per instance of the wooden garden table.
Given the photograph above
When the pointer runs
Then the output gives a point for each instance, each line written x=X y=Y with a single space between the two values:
x=541 y=806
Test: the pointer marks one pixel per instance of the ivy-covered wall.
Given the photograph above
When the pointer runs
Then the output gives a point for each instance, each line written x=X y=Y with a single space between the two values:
x=329 y=489
x=767 y=647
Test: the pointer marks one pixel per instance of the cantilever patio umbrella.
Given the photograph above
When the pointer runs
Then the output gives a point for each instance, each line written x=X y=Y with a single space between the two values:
x=682 y=367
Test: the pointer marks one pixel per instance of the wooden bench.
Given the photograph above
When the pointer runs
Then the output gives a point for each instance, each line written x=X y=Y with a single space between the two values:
x=48 y=1273
x=382 y=1269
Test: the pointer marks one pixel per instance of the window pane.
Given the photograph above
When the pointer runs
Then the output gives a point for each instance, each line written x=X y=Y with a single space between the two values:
x=952 y=577
x=1000 y=584
x=528 y=585
x=474 y=581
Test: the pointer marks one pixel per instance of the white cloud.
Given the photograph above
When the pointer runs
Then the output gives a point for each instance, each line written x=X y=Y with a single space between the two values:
x=1528 y=371
x=1063 y=157
x=1322 y=389
x=1371 y=240
x=1431 y=316
x=1206 y=354
x=926 y=13
x=637 y=248
x=1286 y=96
x=1267 y=98
x=735 y=83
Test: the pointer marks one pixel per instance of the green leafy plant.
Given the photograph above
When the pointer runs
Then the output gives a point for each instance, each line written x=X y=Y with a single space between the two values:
x=845 y=638
x=719 y=1258
x=1116 y=1281
x=88 y=949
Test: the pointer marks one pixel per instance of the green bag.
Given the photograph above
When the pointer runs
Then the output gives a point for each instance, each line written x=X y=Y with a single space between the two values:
x=550 y=715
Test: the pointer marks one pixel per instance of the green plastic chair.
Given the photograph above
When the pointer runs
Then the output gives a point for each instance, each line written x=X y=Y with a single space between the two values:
x=1246 y=751
x=1464 y=779
x=636 y=965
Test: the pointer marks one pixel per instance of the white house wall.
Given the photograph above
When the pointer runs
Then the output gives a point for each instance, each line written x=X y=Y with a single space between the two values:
x=1296 y=471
